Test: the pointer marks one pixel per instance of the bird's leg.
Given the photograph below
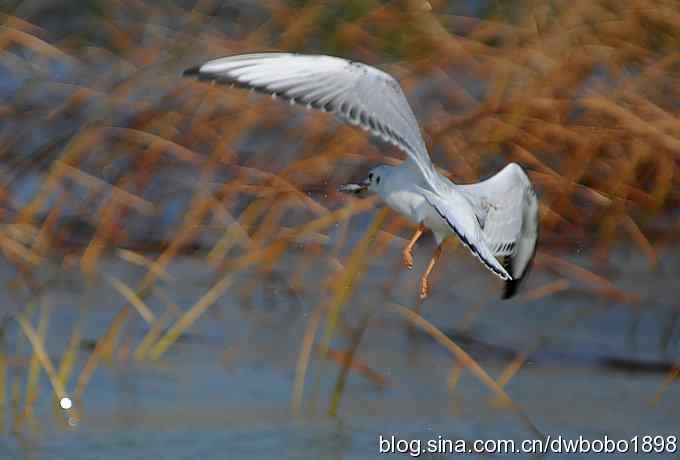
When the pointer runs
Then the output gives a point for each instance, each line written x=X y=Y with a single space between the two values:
x=408 y=250
x=424 y=287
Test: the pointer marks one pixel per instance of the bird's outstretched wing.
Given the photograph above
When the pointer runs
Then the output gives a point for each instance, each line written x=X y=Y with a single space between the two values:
x=459 y=214
x=507 y=207
x=354 y=92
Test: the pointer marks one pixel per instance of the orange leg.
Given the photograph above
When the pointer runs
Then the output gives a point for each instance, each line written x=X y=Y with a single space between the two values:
x=424 y=286
x=408 y=250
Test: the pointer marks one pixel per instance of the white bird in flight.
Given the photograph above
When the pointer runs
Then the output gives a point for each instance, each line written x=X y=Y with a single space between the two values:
x=496 y=219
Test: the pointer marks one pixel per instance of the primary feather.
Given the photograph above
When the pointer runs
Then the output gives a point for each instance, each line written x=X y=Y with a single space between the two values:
x=354 y=92
x=508 y=211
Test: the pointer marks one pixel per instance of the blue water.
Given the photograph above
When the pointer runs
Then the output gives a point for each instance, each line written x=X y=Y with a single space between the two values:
x=225 y=390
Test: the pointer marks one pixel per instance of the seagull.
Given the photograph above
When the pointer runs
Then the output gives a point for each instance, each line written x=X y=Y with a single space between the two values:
x=496 y=219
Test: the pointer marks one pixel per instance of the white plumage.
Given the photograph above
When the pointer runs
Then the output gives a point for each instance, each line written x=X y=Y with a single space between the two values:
x=497 y=219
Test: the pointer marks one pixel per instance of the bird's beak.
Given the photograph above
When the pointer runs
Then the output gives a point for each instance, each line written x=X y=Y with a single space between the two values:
x=354 y=188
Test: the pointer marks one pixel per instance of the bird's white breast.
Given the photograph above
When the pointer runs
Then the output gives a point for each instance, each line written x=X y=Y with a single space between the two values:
x=402 y=195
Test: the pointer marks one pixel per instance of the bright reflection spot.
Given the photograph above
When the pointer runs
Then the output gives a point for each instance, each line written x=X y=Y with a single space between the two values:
x=65 y=403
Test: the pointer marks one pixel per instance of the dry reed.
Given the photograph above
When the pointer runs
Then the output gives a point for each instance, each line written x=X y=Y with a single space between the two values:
x=584 y=93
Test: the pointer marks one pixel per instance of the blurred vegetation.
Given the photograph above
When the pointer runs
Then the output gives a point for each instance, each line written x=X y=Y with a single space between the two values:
x=105 y=151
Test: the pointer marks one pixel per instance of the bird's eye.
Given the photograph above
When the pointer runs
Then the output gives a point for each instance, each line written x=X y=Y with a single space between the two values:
x=378 y=180
x=370 y=176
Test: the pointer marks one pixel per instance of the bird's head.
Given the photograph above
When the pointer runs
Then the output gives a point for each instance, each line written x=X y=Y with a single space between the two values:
x=373 y=182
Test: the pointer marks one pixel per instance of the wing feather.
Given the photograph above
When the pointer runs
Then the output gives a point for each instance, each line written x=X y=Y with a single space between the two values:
x=354 y=92
x=459 y=215
x=507 y=207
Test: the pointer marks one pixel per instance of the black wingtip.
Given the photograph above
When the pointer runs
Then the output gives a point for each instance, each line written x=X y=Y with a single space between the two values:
x=510 y=286
x=510 y=289
x=192 y=71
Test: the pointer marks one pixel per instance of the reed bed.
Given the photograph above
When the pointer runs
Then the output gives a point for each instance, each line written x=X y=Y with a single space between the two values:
x=106 y=152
